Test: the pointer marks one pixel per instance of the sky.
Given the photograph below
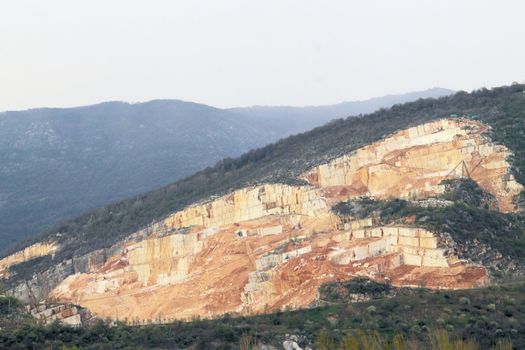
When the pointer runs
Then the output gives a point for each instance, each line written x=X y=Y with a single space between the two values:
x=226 y=53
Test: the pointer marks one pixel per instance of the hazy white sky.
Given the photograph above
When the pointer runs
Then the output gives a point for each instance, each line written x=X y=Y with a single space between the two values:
x=241 y=52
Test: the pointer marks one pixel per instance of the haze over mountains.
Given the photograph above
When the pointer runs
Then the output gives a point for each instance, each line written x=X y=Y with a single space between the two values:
x=57 y=163
x=300 y=119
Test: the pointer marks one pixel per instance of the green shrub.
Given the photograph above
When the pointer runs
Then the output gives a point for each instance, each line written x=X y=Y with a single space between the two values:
x=464 y=300
x=371 y=309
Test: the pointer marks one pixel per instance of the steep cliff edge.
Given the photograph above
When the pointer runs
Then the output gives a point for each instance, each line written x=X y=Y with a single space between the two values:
x=273 y=245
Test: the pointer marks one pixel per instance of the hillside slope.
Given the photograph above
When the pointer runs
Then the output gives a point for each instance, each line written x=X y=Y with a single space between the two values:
x=286 y=160
x=57 y=163
x=272 y=246
x=272 y=237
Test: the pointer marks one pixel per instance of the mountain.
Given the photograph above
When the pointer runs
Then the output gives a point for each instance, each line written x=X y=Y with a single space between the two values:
x=372 y=222
x=300 y=119
x=57 y=163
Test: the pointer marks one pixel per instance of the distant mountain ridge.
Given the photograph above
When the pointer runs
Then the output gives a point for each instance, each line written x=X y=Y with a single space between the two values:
x=56 y=163
x=300 y=119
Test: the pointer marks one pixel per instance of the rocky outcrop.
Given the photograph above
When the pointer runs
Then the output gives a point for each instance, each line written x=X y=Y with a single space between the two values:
x=163 y=260
x=412 y=163
x=273 y=245
x=33 y=251
x=183 y=275
x=67 y=314
x=251 y=203
x=416 y=247
x=41 y=284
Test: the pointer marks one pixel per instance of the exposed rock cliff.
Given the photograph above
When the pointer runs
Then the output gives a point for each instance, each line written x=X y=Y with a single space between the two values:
x=273 y=245
x=31 y=252
x=68 y=314
x=412 y=163
x=251 y=203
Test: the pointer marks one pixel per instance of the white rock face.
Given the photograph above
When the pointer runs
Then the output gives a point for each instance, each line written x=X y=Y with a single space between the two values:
x=416 y=246
x=291 y=345
x=31 y=252
x=411 y=164
x=251 y=203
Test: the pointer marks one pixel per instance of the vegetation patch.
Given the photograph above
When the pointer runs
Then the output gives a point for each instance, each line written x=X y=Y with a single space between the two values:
x=467 y=224
x=356 y=289
x=413 y=318
x=468 y=191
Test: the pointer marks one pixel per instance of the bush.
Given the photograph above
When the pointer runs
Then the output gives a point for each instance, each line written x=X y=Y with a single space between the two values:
x=464 y=301
x=371 y=309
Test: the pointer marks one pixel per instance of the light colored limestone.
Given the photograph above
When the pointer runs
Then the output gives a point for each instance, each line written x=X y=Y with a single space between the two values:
x=265 y=231
x=275 y=244
x=411 y=164
x=163 y=260
x=427 y=242
x=416 y=246
x=67 y=314
x=357 y=224
x=411 y=259
x=74 y=321
x=31 y=252
x=251 y=203
x=296 y=252
x=271 y=260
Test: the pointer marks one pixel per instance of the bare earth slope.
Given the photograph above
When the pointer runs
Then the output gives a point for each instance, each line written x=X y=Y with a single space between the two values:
x=273 y=245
